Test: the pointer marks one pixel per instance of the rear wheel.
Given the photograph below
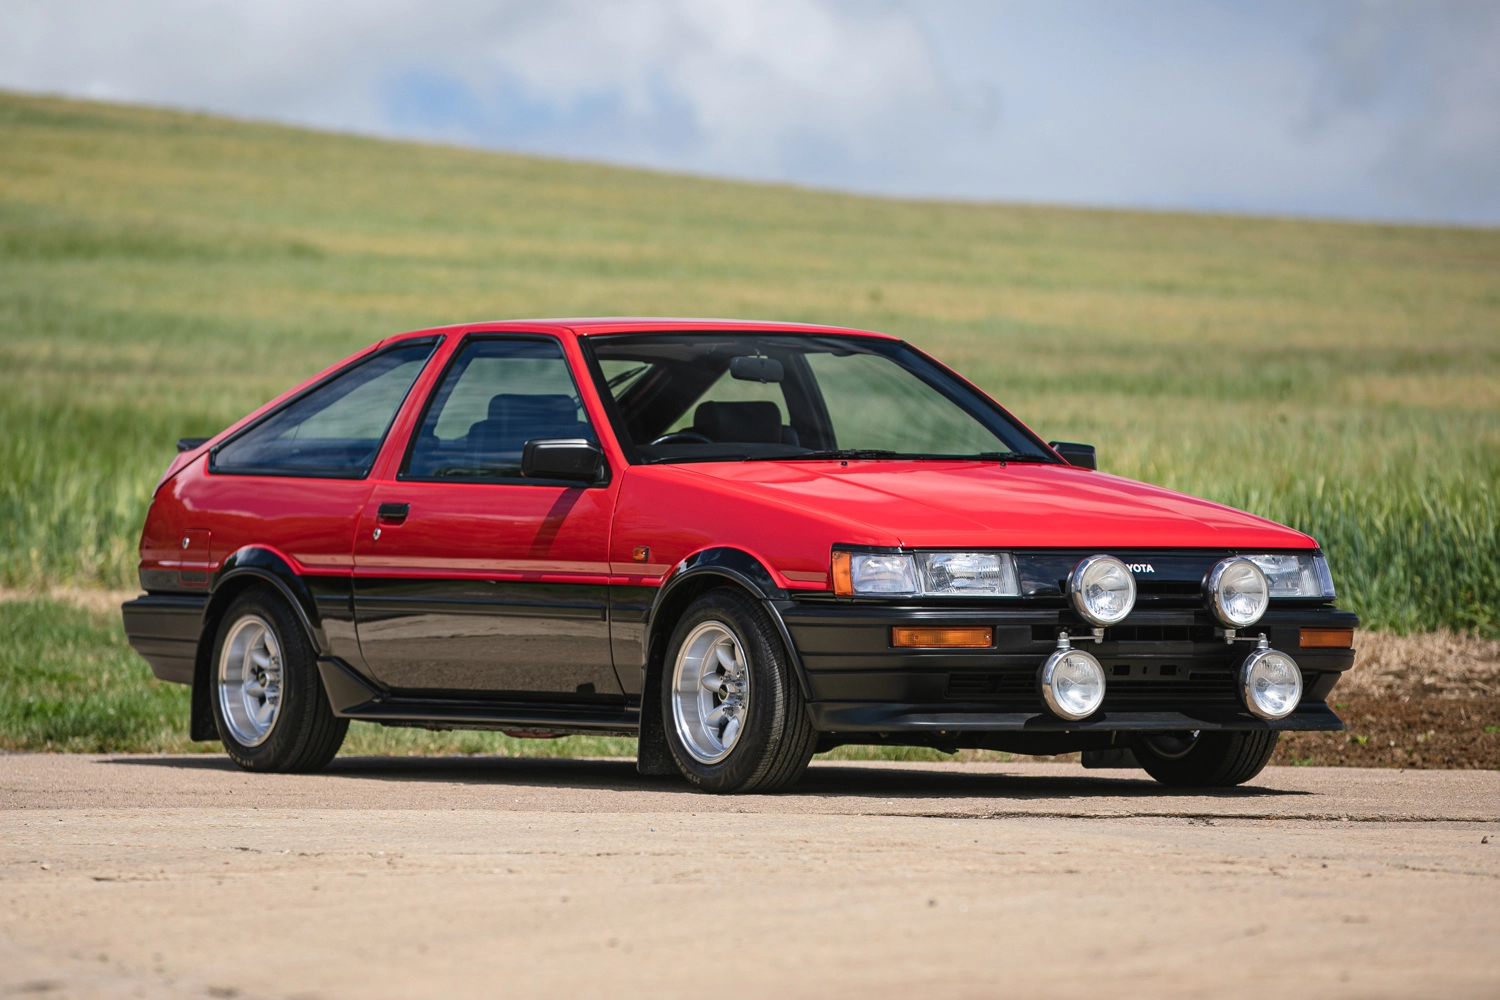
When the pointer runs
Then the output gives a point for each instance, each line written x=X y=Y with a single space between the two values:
x=735 y=717
x=268 y=701
x=1203 y=758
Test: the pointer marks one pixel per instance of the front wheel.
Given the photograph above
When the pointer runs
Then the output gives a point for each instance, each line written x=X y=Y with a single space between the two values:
x=735 y=717
x=269 y=705
x=1205 y=759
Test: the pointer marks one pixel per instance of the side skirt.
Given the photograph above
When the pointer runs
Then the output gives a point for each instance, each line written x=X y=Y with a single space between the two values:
x=351 y=697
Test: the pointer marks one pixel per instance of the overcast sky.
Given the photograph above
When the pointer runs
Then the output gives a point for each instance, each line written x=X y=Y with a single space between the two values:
x=1382 y=110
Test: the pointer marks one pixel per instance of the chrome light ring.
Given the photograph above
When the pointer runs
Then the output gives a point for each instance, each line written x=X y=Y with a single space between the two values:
x=1270 y=684
x=1063 y=680
x=1227 y=587
x=1110 y=584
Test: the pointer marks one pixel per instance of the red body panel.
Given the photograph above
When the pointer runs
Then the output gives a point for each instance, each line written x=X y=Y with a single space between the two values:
x=787 y=514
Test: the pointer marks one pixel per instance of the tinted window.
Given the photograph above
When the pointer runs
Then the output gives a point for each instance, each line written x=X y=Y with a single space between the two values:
x=496 y=396
x=336 y=429
x=743 y=397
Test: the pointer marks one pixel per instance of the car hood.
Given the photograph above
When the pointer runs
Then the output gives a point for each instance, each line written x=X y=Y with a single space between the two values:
x=1015 y=505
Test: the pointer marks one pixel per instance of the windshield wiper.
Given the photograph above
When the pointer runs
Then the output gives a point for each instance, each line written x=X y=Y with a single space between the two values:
x=1009 y=456
x=843 y=453
x=678 y=459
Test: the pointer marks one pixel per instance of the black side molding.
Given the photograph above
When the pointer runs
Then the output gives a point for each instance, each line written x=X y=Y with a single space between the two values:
x=352 y=697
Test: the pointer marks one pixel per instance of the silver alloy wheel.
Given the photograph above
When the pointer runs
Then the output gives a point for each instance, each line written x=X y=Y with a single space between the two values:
x=250 y=680
x=710 y=692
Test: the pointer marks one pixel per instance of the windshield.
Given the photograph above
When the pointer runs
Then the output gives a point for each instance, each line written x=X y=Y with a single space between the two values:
x=740 y=396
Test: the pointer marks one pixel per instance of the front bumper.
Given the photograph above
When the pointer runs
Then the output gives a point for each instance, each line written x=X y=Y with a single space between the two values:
x=1165 y=669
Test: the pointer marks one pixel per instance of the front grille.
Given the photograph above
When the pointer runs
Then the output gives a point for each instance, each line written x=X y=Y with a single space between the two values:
x=1157 y=687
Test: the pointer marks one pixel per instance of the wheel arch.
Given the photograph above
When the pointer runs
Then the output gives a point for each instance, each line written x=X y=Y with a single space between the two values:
x=246 y=568
x=695 y=575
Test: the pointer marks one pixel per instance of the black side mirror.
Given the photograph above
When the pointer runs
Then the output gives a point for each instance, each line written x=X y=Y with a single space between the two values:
x=1081 y=455
x=188 y=444
x=562 y=458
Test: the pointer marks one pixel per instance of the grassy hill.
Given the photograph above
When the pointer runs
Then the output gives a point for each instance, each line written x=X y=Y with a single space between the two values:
x=162 y=273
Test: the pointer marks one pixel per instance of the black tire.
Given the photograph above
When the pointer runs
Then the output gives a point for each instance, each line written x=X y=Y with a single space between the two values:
x=303 y=734
x=1211 y=760
x=777 y=739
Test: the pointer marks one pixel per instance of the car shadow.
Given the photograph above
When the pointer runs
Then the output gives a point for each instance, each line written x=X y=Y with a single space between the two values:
x=825 y=779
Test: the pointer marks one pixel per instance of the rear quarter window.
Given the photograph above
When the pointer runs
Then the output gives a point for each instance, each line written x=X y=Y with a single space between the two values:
x=335 y=430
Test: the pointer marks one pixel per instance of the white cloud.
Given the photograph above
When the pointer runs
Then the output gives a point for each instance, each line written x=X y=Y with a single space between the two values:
x=1357 y=108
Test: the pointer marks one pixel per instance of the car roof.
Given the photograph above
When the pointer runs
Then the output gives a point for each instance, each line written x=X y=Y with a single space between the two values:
x=593 y=326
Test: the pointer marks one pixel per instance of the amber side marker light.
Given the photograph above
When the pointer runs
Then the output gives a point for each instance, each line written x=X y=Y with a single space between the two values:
x=1327 y=638
x=943 y=638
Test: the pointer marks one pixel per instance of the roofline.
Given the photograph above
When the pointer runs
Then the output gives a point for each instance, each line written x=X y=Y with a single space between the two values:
x=601 y=325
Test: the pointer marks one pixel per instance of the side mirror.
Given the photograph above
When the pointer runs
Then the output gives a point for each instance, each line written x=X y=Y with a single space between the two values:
x=1081 y=455
x=562 y=458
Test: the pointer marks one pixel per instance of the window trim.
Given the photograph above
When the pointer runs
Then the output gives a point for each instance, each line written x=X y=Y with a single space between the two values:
x=402 y=475
x=214 y=468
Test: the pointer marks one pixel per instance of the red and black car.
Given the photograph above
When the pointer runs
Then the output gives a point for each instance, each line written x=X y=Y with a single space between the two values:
x=743 y=542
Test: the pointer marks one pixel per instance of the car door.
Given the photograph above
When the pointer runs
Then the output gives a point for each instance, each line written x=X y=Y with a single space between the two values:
x=295 y=480
x=470 y=579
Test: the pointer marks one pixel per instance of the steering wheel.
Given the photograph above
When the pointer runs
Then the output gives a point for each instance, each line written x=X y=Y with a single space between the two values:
x=683 y=437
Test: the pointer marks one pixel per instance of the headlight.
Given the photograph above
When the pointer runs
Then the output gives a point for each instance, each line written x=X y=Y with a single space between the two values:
x=881 y=574
x=1072 y=684
x=1237 y=592
x=1296 y=576
x=925 y=574
x=1102 y=589
x=1270 y=684
x=968 y=574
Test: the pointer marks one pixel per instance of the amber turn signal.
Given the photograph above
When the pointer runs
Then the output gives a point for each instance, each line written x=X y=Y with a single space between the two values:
x=943 y=638
x=1327 y=638
x=843 y=578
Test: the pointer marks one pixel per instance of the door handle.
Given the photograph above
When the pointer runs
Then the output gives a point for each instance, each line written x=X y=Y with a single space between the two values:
x=392 y=513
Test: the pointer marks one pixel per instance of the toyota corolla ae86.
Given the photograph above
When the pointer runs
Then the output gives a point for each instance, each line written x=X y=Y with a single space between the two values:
x=743 y=543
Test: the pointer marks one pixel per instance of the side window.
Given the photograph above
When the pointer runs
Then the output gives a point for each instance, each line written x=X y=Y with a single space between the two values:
x=496 y=396
x=335 y=430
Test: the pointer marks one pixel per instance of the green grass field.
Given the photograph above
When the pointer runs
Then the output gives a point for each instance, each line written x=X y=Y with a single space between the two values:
x=162 y=273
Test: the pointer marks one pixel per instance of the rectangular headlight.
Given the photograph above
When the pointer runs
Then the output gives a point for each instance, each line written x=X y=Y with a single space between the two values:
x=925 y=574
x=1296 y=576
x=968 y=574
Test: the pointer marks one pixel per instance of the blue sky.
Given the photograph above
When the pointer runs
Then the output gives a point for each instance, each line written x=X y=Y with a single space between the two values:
x=1372 y=110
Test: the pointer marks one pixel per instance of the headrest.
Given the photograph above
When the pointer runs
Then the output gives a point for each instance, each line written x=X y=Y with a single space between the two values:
x=757 y=422
x=540 y=409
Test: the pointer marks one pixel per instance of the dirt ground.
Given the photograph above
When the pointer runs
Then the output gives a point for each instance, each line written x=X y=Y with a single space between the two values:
x=1425 y=701
x=479 y=877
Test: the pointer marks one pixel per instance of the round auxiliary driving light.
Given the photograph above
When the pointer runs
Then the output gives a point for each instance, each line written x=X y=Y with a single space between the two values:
x=1237 y=591
x=1072 y=684
x=1102 y=589
x=1270 y=684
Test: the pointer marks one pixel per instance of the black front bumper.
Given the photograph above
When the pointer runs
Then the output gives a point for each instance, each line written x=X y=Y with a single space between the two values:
x=1165 y=669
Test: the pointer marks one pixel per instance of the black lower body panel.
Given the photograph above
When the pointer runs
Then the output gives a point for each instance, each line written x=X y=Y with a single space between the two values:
x=352 y=697
x=165 y=629
x=864 y=717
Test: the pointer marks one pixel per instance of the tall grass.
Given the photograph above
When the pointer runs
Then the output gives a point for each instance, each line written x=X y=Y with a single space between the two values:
x=161 y=274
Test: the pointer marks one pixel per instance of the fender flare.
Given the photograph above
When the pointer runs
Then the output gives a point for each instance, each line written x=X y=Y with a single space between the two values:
x=737 y=566
x=246 y=564
x=275 y=569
